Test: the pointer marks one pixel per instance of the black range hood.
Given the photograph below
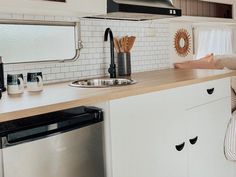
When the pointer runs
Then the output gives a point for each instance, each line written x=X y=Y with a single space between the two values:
x=141 y=9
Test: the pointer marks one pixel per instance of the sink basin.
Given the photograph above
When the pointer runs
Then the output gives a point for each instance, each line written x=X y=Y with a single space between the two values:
x=102 y=83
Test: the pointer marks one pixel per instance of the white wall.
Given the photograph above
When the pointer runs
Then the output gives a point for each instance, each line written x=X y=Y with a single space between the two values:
x=43 y=7
x=234 y=41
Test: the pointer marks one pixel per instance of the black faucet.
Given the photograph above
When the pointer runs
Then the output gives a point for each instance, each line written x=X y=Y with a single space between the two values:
x=112 y=68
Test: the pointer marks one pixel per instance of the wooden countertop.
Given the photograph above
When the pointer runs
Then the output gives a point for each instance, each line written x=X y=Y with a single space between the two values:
x=60 y=96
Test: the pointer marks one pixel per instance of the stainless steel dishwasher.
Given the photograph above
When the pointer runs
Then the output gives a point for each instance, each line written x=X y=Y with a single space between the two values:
x=66 y=143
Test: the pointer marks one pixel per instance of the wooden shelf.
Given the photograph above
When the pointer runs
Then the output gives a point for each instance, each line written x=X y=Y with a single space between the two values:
x=205 y=8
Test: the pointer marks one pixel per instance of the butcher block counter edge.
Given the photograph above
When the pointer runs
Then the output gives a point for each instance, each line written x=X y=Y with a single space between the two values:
x=60 y=96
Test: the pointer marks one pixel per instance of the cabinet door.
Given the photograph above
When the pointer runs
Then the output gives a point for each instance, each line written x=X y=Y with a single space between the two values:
x=207 y=125
x=144 y=133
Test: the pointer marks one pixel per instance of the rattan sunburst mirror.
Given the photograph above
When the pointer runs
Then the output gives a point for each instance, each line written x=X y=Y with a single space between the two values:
x=182 y=42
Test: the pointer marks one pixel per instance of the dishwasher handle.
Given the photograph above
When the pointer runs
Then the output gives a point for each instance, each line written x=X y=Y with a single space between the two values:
x=89 y=117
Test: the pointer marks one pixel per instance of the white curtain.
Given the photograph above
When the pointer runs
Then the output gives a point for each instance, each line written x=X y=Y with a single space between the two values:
x=214 y=39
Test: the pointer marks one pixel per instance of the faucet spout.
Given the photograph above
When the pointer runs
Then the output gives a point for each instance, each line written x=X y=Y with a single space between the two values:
x=112 y=68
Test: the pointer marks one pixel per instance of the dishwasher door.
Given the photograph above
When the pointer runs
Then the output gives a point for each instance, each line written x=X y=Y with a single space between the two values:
x=44 y=151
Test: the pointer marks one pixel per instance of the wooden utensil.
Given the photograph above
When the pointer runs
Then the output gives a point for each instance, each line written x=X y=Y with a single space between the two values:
x=116 y=44
x=131 y=41
x=124 y=43
x=121 y=45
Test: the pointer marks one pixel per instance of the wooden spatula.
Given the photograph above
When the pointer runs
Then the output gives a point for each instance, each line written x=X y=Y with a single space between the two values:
x=131 y=41
x=116 y=44
x=121 y=45
x=125 y=43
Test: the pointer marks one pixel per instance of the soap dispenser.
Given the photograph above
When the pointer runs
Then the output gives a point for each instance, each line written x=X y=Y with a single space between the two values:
x=2 y=85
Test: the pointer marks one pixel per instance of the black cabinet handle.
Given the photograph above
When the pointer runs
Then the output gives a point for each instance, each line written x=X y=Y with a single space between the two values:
x=210 y=91
x=180 y=147
x=194 y=140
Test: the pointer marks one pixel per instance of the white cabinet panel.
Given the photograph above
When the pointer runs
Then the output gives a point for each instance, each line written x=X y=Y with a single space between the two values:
x=209 y=123
x=144 y=132
x=206 y=92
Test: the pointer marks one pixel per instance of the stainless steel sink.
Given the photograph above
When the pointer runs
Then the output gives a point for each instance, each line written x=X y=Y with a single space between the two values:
x=102 y=83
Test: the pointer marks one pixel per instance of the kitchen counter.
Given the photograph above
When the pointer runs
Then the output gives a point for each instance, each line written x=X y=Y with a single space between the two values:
x=56 y=97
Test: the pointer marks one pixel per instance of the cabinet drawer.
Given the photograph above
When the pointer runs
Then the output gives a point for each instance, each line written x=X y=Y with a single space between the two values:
x=206 y=92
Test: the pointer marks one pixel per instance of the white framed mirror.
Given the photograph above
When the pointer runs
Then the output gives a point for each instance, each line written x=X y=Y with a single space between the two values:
x=32 y=41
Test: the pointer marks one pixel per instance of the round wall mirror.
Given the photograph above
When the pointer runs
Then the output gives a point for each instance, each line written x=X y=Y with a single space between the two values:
x=182 y=42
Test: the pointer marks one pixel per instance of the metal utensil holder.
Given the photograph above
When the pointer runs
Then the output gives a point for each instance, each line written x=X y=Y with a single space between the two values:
x=124 y=64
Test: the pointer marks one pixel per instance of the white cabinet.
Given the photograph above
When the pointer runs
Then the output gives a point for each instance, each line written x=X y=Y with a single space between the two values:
x=150 y=133
x=144 y=132
x=43 y=7
x=206 y=155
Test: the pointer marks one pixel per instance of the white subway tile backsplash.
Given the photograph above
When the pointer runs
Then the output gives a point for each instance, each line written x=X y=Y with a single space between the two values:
x=17 y=16
x=70 y=75
x=60 y=76
x=5 y=16
x=49 y=18
x=150 y=52
x=55 y=70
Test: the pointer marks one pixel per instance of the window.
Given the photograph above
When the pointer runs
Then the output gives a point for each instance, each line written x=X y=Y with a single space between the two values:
x=217 y=40
x=32 y=42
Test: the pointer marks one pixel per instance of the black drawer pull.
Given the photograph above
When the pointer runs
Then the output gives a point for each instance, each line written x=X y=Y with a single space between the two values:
x=194 y=140
x=210 y=91
x=180 y=147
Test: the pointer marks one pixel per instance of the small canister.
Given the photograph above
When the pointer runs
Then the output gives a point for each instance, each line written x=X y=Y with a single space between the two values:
x=124 y=64
x=15 y=84
x=35 y=81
